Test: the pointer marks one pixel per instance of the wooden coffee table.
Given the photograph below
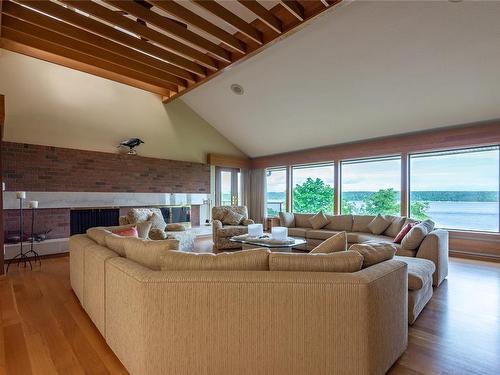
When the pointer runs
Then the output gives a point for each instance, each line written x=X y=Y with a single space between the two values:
x=252 y=244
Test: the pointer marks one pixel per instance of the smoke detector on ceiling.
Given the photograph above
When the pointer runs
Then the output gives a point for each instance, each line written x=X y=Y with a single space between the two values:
x=237 y=89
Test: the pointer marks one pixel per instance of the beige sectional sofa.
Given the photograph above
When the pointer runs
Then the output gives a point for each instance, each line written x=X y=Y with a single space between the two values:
x=242 y=322
x=434 y=247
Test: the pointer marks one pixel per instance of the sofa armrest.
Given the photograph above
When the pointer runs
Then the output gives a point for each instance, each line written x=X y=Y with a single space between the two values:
x=247 y=222
x=435 y=248
x=216 y=225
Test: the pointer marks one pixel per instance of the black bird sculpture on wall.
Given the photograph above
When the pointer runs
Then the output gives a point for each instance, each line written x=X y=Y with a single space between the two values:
x=131 y=143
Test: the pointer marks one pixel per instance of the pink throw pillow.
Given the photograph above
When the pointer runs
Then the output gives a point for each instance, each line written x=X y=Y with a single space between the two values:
x=129 y=232
x=403 y=232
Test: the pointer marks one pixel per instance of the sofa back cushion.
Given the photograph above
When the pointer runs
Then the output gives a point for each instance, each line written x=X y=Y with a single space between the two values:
x=219 y=212
x=416 y=235
x=360 y=223
x=345 y=261
x=148 y=253
x=116 y=243
x=337 y=242
x=302 y=220
x=396 y=225
x=232 y=218
x=287 y=219
x=374 y=252
x=243 y=260
x=339 y=222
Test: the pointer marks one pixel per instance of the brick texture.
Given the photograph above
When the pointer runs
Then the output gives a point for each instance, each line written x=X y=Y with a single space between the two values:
x=54 y=219
x=41 y=168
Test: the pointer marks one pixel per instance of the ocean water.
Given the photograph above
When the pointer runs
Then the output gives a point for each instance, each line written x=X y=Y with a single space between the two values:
x=481 y=216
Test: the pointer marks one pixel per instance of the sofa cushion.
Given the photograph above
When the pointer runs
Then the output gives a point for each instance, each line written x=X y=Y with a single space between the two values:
x=415 y=236
x=319 y=220
x=302 y=220
x=360 y=223
x=405 y=252
x=244 y=260
x=429 y=224
x=99 y=233
x=396 y=225
x=339 y=222
x=320 y=234
x=345 y=261
x=128 y=232
x=379 y=224
x=116 y=243
x=137 y=215
x=157 y=221
x=148 y=253
x=420 y=271
x=232 y=230
x=403 y=232
x=365 y=237
x=175 y=227
x=297 y=232
x=337 y=242
x=287 y=219
x=374 y=252
x=143 y=228
x=232 y=218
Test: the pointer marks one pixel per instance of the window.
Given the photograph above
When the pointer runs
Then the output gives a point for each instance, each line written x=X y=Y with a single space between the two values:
x=456 y=189
x=371 y=187
x=313 y=188
x=276 y=191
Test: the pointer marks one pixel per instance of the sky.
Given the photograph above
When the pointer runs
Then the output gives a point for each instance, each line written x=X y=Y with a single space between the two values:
x=472 y=171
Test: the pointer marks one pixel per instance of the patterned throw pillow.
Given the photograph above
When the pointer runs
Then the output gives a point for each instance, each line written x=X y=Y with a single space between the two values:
x=337 y=242
x=232 y=218
x=319 y=220
x=157 y=221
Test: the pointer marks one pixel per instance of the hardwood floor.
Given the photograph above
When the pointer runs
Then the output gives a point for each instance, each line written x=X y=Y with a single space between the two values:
x=45 y=331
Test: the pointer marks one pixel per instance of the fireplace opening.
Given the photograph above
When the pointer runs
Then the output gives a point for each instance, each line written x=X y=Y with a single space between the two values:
x=83 y=219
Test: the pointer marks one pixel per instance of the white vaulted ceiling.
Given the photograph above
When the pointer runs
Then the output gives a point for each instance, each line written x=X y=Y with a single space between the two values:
x=362 y=70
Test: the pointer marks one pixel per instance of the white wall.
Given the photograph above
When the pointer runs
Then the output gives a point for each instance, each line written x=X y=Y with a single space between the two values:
x=52 y=105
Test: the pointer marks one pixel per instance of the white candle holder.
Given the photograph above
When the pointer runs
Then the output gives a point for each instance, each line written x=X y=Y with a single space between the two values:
x=279 y=233
x=255 y=230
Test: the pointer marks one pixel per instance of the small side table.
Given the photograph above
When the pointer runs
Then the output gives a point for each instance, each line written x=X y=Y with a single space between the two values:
x=272 y=222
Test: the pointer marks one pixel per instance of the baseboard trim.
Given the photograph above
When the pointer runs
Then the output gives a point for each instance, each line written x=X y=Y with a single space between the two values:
x=474 y=256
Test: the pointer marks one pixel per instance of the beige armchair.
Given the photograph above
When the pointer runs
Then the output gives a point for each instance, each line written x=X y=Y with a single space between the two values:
x=229 y=221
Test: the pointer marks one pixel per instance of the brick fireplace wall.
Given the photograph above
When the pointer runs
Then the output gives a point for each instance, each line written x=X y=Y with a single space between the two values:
x=42 y=168
x=29 y=167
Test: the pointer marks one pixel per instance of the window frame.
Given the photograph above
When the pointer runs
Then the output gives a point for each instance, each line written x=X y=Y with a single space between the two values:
x=369 y=160
x=310 y=165
x=454 y=150
x=287 y=175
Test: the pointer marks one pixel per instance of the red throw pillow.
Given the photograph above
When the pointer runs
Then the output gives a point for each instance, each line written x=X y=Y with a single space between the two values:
x=403 y=232
x=128 y=232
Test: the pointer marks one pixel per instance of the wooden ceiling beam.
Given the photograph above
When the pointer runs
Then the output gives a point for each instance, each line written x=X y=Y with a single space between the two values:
x=191 y=18
x=294 y=8
x=171 y=27
x=88 y=49
x=37 y=48
x=232 y=19
x=109 y=32
x=263 y=14
x=149 y=66
x=184 y=53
